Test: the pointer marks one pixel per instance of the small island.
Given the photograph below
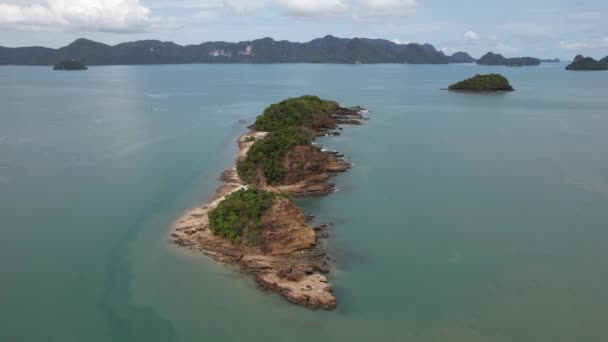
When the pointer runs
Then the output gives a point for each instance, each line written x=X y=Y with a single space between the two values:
x=252 y=221
x=588 y=63
x=522 y=61
x=71 y=65
x=551 y=60
x=483 y=83
x=498 y=59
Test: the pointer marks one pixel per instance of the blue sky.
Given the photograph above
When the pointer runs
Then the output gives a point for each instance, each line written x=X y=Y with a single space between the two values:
x=541 y=28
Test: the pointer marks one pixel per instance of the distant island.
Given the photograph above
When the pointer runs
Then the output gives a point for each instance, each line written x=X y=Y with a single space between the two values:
x=551 y=60
x=252 y=221
x=70 y=65
x=328 y=49
x=491 y=58
x=461 y=57
x=483 y=83
x=588 y=63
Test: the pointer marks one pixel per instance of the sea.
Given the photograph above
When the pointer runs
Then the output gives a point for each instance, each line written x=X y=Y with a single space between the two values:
x=466 y=216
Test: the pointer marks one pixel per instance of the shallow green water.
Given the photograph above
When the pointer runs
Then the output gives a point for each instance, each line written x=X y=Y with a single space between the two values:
x=467 y=217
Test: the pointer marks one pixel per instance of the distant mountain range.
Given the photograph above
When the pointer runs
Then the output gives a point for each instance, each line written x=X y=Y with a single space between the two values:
x=328 y=49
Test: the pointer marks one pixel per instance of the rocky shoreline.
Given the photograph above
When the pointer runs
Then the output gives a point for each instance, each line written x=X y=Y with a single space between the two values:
x=292 y=261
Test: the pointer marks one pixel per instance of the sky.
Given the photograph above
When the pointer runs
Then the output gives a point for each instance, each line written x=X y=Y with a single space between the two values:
x=542 y=28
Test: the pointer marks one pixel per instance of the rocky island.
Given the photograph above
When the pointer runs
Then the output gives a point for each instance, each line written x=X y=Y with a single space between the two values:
x=498 y=59
x=483 y=83
x=462 y=57
x=252 y=221
x=70 y=65
x=588 y=63
x=550 y=60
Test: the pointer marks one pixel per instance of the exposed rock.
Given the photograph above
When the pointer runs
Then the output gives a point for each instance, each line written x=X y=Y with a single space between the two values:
x=287 y=259
x=320 y=227
x=304 y=162
x=285 y=229
x=312 y=290
x=315 y=185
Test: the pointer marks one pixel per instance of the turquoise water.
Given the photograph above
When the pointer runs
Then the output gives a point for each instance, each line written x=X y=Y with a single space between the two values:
x=467 y=217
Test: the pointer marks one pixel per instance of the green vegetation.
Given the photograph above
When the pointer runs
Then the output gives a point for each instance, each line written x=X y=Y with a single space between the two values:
x=70 y=65
x=266 y=50
x=498 y=59
x=588 y=63
x=308 y=111
x=238 y=217
x=523 y=61
x=490 y=82
x=269 y=153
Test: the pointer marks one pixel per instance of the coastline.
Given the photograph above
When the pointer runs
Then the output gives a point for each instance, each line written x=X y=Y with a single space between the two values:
x=292 y=261
x=301 y=255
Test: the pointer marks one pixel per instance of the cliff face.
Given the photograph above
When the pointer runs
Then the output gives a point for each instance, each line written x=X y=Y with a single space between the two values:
x=284 y=229
x=305 y=162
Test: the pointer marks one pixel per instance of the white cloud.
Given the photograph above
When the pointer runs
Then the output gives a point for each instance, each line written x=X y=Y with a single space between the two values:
x=243 y=6
x=471 y=36
x=575 y=45
x=598 y=44
x=83 y=15
x=386 y=7
x=311 y=8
